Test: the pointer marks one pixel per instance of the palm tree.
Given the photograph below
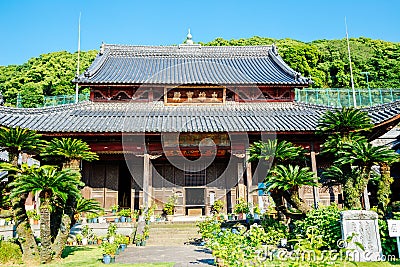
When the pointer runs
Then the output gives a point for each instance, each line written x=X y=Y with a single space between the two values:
x=51 y=184
x=288 y=181
x=82 y=205
x=363 y=155
x=344 y=121
x=352 y=155
x=15 y=140
x=273 y=153
x=70 y=150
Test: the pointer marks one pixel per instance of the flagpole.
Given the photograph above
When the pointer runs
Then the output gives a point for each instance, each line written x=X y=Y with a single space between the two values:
x=77 y=68
x=365 y=193
x=351 y=68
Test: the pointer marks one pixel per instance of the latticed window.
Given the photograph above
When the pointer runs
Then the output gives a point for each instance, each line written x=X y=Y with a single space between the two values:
x=195 y=178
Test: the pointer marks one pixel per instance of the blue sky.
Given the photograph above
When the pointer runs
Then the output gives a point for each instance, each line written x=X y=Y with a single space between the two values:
x=31 y=28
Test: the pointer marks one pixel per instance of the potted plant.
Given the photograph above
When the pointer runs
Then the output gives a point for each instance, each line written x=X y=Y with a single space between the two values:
x=111 y=232
x=124 y=213
x=92 y=217
x=108 y=252
x=122 y=241
x=134 y=215
x=217 y=207
x=146 y=232
x=256 y=212
x=114 y=209
x=34 y=216
x=169 y=207
x=87 y=233
x=241 y=208
x=79 y=238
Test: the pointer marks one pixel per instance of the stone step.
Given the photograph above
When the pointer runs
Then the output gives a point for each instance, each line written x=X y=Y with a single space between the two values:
x=167 y=234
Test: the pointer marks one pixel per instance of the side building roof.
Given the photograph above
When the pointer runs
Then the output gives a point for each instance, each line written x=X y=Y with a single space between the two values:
x=134 y=117
x=190 y=64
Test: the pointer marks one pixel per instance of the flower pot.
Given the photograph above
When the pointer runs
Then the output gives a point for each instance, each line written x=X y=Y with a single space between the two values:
x=106 y=259
x=128 y=219
x=123 y=246
x=114 y=212
x=116 y=220
x=256 y=216
x=123 y=219
x=89 y=220
x=112 y=259
x=170 y=218
x=111 y=239
x=143 y=243
x=241 y=216
x=230 y=217
x=84 y=241
x=117 y=251
x=99 y=241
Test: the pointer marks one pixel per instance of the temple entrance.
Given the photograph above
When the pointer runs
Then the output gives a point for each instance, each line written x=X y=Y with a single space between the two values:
x=124 y=186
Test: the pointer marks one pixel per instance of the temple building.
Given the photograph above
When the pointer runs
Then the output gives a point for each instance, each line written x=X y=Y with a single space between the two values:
x=177 y=120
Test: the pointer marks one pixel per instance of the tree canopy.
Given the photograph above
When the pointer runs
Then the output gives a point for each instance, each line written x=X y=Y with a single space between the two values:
x=325 y=61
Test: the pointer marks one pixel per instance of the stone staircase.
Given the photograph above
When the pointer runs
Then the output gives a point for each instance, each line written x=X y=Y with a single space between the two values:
x=172 y=234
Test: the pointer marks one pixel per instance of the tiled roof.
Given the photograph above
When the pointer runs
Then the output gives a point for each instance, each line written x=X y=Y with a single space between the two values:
x=190 y=64
x=117 y=117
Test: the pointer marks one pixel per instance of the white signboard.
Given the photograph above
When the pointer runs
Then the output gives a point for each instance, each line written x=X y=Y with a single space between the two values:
x=394 y=228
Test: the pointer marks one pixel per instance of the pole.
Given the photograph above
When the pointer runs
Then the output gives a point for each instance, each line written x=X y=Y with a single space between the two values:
x=79 y=51
x=398 y=245
x=351 y=68
x=365 y=194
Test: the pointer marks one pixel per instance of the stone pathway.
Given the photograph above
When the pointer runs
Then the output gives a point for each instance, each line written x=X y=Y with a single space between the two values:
x=187 y=255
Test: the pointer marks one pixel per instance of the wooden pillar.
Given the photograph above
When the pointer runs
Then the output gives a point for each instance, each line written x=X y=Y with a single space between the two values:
x=314 y=169
x=241 y=188
x=146 y=180
x=249 y=180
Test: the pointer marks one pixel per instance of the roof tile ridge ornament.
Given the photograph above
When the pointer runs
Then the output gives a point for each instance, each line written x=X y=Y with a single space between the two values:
x=98 y=61
x=273 y=52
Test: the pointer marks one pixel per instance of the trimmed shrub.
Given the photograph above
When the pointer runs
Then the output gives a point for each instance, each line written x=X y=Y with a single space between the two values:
x=10 y=253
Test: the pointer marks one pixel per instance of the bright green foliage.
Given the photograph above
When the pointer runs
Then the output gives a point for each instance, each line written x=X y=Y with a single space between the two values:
x=209 y=227
x=275 y=230
x=69 y=149
x=49 y=182
x=49 y=74
x=242 y=206
x=87 y=205
x=289 y=178
x=388 y=243
x=275 y=152
x=10 y=253
x=326 y=61
x=15 y=140
x=344 y=121
x=326 y=221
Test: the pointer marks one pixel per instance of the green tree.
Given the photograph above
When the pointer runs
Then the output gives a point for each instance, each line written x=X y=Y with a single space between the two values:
x=16 y=140
x=274 y=154
x=71 y=151
x=352 y=155
x=52 y=185
x=288 y=181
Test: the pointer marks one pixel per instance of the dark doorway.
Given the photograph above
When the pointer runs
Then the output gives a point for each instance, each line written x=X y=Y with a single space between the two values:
x=124 y=186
